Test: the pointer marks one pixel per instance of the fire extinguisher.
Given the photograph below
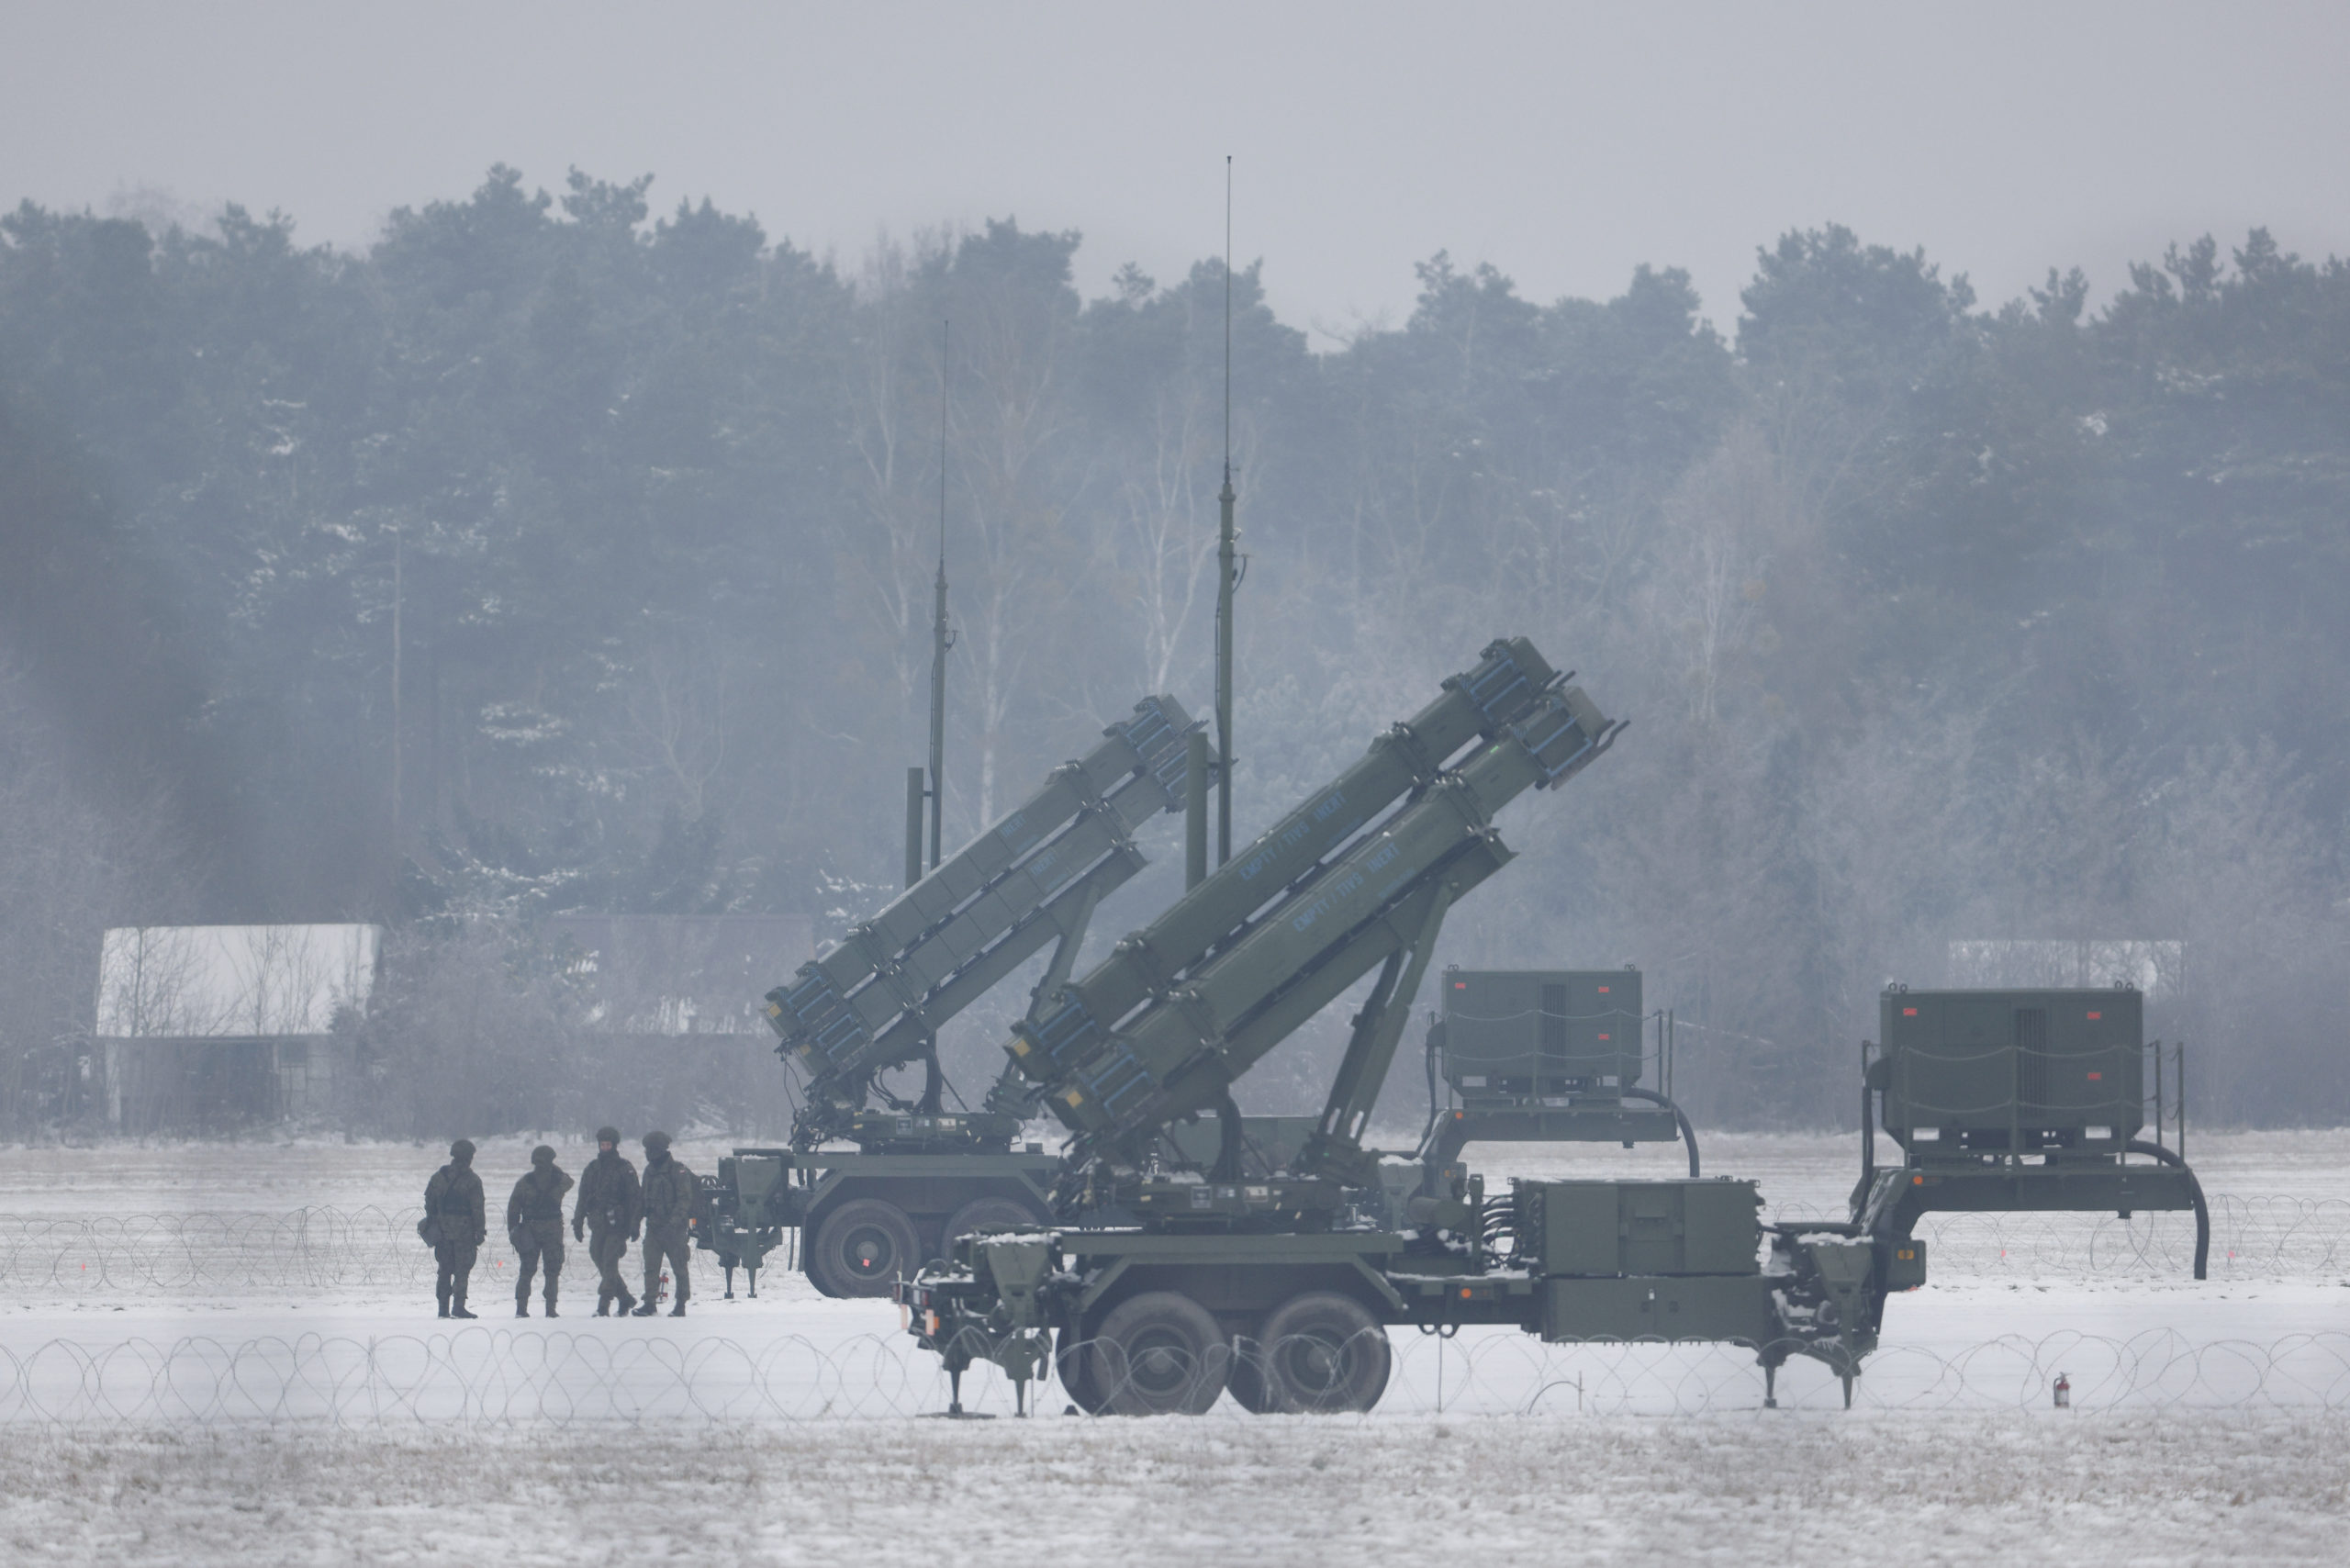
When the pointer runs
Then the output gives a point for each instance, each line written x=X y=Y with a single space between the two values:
x=2063 y=1391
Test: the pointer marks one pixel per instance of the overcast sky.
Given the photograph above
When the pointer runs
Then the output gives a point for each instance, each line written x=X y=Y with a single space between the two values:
x=1562 y=143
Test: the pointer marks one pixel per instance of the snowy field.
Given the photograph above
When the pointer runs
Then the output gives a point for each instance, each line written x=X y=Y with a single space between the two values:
x=227 y=1352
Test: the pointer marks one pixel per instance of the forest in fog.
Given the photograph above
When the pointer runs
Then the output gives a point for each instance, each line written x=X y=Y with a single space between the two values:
x=573 y=552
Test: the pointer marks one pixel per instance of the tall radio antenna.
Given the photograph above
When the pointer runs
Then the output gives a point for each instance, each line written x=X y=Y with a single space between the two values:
x=1227 y=563
x=941 y=637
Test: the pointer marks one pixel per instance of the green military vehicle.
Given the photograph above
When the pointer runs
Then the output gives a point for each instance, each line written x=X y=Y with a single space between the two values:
x=1277 y=1284
x=917 y=1175
x=1278 y=1287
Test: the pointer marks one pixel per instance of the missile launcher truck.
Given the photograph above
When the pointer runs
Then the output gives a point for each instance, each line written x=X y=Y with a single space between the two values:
x=1277 y=1284
x=921 y=1175
x=1278 y=1287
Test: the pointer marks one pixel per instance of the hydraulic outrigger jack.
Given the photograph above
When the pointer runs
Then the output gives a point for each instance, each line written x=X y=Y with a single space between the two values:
x=955 y=1411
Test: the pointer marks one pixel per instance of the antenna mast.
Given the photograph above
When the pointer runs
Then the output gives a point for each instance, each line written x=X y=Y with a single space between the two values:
x=1227 y=563
x=941 y=638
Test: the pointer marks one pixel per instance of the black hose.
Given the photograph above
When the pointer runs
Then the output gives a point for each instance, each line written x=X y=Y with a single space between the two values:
x=1688 y=1132
x=1428 y=1134
x=1229 y=1138
x=2202 y=1214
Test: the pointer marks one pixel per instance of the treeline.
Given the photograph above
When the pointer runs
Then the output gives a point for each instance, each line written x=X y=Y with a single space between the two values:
x=553 y=554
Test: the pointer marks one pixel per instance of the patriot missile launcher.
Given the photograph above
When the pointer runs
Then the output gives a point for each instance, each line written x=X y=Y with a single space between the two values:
x=1277 y=1283
x=1035 y=877
x=1179 y=1010
x=1278 y=1287
x=922 y=1175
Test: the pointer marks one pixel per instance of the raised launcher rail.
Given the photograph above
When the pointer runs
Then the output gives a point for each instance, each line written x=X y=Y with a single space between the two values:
x=1160 y=1030
x=921 y=1177
x=878 y=999
x=1547 y=1055
x=2017 y=1100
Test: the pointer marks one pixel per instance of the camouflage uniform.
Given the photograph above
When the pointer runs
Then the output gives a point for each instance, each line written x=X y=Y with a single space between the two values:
x=609 y=1206
x=670 y=1196
x=535 y=1224
x=453 y=1202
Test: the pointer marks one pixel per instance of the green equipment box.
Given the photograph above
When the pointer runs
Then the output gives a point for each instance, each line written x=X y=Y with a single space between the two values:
x=1609 y=1228
x=1513 y=1033
x=1718 y=1306
x=1972 y=1069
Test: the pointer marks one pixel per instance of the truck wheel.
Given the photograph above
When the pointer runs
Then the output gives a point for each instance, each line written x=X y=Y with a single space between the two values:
x=1324 y=1353
x=862 y=1247
x=1245 y=1381
x=1159 y=1353
x=1073 y=1363
x=981 y=1211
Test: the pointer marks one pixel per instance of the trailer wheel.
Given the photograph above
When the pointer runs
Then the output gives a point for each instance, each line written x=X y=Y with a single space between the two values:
x=1324 y=1353
x=1160 y=1353
x=1245 y=1381
x=862 y=1247
x=981 y=1211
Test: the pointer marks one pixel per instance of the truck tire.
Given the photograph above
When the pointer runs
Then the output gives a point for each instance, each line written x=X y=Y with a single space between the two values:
x=1160 y=1353
x=1245 y=1381
x=862 y=1249
x=1324 y=1353
x=981 y=1211
x=1073 y=1363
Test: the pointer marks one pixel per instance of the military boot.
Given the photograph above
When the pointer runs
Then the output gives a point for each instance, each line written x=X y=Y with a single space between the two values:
x=443 y=1297
x=550 y=1301
x=522 y=1301
x=647 y=1310
x=457 y=1307
x=603 y=1306
x=679 y=1310
x=626 y=1306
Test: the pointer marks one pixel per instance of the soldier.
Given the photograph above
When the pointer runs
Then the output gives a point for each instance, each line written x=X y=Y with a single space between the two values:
x=609 y=1203
x=535 y=1224
x=669 y=1200
x=452 y=1207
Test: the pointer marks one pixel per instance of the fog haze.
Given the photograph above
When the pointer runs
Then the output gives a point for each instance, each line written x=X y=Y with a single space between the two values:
x=463 y=473
x=1563 y=144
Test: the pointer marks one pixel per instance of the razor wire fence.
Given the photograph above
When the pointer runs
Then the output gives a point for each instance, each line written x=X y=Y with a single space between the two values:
x=482 y=1379
x=326 y=1249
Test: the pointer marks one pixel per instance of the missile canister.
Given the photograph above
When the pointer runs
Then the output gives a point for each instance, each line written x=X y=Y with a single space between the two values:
x=1507 y=682
x=1181 y=1050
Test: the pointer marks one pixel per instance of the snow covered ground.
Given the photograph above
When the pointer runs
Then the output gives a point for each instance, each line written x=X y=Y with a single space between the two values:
x=1755 y=1487
x=184 y=1405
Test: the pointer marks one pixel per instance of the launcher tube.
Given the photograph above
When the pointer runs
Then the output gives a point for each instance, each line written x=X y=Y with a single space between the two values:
x=1181 y=1050
x=832 y=1012
x=1509 y=680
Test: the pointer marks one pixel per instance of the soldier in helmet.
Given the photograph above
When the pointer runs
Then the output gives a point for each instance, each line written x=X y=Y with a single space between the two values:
x=454 y=1211
x=535 y=1224
x=670 y=1197
x=607 y=1205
